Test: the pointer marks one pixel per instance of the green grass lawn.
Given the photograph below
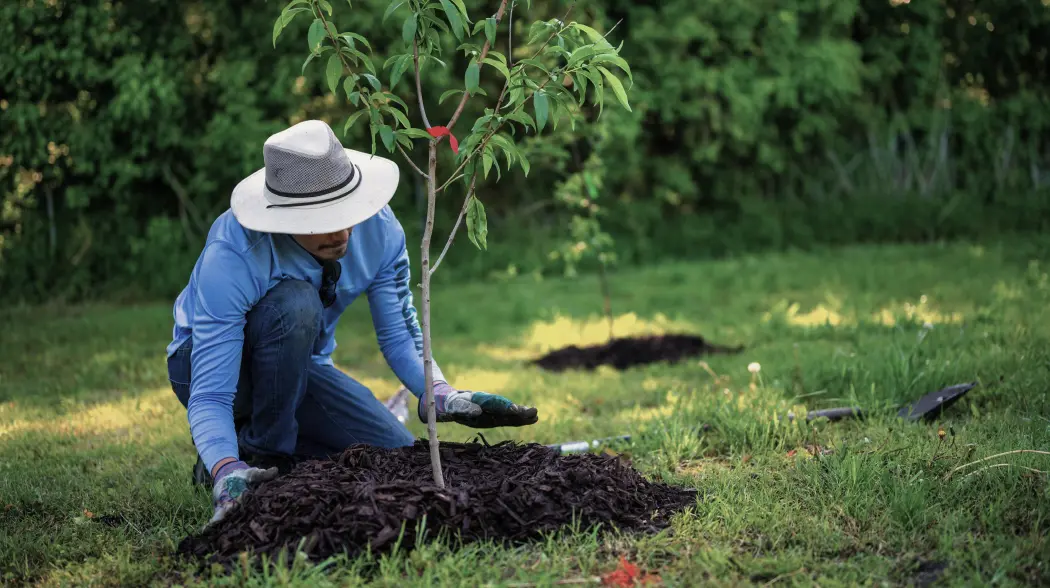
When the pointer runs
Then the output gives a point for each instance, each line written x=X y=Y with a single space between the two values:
x=95 y=454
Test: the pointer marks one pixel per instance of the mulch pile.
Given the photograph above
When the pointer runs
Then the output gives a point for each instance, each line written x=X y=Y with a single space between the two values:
x=625 y=352
x=506 y=492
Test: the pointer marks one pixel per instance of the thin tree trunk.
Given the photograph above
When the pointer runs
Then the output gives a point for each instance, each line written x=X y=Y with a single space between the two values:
x=604 y=280
x=52 y=232
x=428 y=354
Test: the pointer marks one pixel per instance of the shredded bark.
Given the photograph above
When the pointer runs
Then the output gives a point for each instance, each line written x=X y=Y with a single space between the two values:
x=626 y=352
x=375 y=497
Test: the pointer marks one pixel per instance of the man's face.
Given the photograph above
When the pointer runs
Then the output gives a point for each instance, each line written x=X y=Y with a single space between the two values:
x=326 y=246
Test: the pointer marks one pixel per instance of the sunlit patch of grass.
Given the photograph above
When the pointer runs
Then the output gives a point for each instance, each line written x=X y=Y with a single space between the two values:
x=563 y=330
x=118 y=416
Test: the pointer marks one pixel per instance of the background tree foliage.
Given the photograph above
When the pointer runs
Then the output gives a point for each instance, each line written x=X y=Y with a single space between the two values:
x=754 y=124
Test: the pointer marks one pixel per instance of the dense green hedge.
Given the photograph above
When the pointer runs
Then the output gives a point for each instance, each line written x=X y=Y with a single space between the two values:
x=756 y=124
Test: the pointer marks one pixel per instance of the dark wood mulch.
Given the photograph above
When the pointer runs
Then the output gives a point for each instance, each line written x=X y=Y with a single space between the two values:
x=625 y=352
x=506 y=492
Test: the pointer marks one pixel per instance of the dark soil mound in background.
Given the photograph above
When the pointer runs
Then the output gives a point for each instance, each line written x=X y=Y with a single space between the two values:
x=625 y=352
x=505 y=492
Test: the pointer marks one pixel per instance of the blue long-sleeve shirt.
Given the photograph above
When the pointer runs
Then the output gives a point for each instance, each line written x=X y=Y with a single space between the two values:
x=238 y=267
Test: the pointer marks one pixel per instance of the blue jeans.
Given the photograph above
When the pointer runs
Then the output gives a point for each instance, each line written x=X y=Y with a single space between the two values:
x=288 y=406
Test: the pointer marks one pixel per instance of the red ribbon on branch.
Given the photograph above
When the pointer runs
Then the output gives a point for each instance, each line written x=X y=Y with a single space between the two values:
x=437 y=132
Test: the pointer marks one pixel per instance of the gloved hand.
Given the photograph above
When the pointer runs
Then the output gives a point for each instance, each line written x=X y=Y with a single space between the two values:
x=476 y=409
x=231 y=482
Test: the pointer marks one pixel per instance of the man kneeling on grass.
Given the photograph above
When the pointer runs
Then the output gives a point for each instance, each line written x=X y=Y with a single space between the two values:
x=254 y=328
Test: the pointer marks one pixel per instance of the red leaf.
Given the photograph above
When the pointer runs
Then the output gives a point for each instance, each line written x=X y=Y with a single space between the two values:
x=441 y=132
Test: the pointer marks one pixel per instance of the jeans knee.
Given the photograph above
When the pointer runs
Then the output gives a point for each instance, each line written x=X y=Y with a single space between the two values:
x=290 y=310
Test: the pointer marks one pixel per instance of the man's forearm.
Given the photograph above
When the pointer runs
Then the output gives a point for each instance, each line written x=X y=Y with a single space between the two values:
x=210 y=418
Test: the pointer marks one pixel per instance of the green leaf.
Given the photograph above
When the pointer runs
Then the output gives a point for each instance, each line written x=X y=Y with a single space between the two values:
x=353 y=118
x=278 y=26
x=617 y=87
x=282 y=21
x=447 y=94
x=415 y=133
x=523 y=118
x=477 y=224
x=499 y=66
x=525 y=166
x=309 y=58
x=373 y=81
x=394 y=5
x=315 y=36
x=358 y=56
x=510 y=151
x=462 y=10
x=297 y=3
x=349 y=38
x=393 y=98
x=400 y=116
x=486 y=163
x=615 y=60
x=408 y=30
x=534 y=63
x=595 y=36
x=387 y=134
x=542 y=107
x=472 y=77
x=538 y=29
x=326 y=5
x=481 y=122
x=456 y=22
x=469 y=49
x=580 y=81
x=399 y=70
x=490 y=29
x=579 y=55
x=351 y=93
x=440 y=24
x=598 y=98
x=403 y=141
x=333 y=71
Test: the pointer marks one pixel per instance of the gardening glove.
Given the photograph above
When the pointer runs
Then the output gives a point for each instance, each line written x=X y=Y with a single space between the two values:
x=476 y=409
x=231 y=482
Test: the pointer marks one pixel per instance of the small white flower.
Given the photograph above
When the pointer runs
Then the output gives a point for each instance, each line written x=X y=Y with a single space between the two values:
x=927 y=325
x=754 y=367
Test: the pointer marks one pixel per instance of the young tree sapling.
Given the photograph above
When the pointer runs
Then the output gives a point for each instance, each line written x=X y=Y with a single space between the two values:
x=561 y=53
x=580 y=193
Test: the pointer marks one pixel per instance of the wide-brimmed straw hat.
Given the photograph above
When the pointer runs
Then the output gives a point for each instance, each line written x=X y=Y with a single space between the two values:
x=311 y=184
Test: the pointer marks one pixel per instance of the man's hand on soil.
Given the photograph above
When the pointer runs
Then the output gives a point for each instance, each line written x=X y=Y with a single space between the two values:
x=478 y=410
x=231 y=482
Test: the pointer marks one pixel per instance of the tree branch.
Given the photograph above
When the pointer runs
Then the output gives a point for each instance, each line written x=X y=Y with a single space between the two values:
x=412 y=163
x=510 y=37
x=184 y=199
x=481 y=145
x=347 y=68
x=455 y=175
x=484 y=52
x=419 y=85
x=452 y=235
